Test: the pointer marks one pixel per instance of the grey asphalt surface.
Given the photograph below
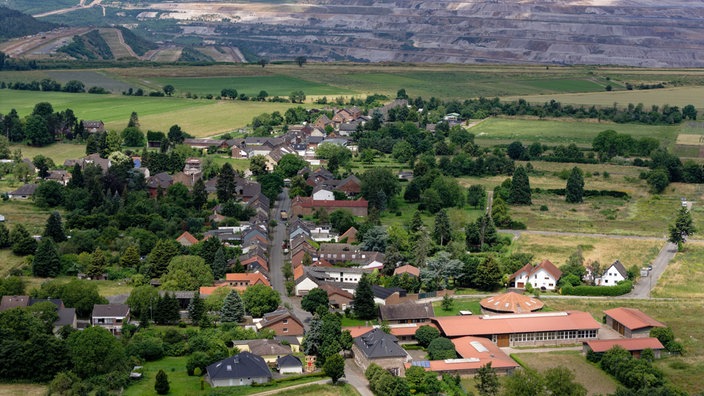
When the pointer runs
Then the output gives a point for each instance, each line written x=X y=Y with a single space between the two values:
x=646 y=284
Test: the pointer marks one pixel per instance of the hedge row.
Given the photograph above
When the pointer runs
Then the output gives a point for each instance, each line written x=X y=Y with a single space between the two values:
x=618 y=290
x=588 y=193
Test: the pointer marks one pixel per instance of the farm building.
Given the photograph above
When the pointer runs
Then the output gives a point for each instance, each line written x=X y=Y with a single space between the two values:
x=511 y=302
x=635 y=346
x=631 y=322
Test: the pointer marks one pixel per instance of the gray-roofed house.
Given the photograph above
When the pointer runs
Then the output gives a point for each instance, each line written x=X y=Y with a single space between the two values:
x=110 y=317
x=269 y=350
x=245 y=368
x=382 y=349
x=408 y=312
x=615 y=273
x=387 y=295
x=24 y=192
x=289 y=364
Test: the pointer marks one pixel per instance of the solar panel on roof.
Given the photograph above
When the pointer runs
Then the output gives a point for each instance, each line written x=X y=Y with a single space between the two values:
x=421 y=363
x=478 y=346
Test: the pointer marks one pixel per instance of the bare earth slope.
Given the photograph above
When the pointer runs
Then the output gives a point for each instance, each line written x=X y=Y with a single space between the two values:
x=635 y=33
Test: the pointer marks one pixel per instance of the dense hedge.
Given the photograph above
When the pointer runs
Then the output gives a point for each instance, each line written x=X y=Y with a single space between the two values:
x=587 y=193
x=618 y=290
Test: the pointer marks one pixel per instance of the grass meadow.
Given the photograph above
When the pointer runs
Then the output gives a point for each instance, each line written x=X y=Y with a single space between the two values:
x=23 y=390
x=591 y=376
x=684 y=274
x=457 y=306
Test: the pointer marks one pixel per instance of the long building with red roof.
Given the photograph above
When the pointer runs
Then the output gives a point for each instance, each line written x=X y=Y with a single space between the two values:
x=635 y=346
x=475 y=352
x=546 y=328
x=631 y=322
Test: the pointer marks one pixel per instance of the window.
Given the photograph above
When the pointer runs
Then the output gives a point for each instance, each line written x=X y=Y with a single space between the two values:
x=285 y=329
x=285 y=321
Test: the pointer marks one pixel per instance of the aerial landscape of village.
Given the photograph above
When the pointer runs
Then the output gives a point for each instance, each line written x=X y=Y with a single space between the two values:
x=352 y=197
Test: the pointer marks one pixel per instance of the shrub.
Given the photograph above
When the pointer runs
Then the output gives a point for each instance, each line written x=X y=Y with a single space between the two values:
x=543 y=208
x=441 y=348
x=618 y=290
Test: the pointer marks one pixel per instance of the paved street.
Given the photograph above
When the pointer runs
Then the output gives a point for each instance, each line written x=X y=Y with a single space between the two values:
x=646 y=284
x=355 y=377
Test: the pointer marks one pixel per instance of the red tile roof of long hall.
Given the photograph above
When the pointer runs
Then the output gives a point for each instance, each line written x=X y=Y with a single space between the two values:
x=629 y=344
x=309 y=202
x=457 y=326
x=633 y=318
x=475 y=352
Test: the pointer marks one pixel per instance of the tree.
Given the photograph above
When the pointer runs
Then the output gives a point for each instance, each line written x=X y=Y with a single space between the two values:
x=196 y=308
x=95 y=351
x=426 y=334
x=257 y=165
x=440 y=270
x=476 y=196
x=143 y=299
x=301 y=60
x=520 y=188
x=334 y=367
x=688 y=111
x=375 y=240
x=574 y=191
x=130 y=258
x=219 y=266
x=487 y=381
x=447 y=303
x=98 y=264
x=161 y=385
x=314 y=299
x=682 y=228
x=442 y=233
x=167 y=311
x=49 y=194
x=297 y=97
x=260 y=299
x=43 y=164
x=169 y=89
x=488 y=275
x=561 y=381
x=516 y=150
x=134 y=120
x=21 y=241
x=37 y=131
x=46 y=262
x=54 y=228
x=289 y=165
x=200 y=195
x=233 y=308
x=187 y=273
x=160 y=256
x=226 y=186
x=376 y=181
x=524 y=383
x=441 y=348
x=363 y=302
x=658 y=180
x=133 y=137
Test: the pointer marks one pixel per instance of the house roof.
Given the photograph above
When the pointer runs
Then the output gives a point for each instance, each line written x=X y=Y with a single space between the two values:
x=629 y=344
x=288 y=361
x=265 y=347
x=187 y=237
x=242 y=365
x=66 y=317
x=546 y=265
x=298 y=272
x=350 y=234
x=292 y=340
x=618 y=266
x=252 y=277
x=9 y=302
x=384 y=292
x=406 y=311
x=110 y=310
x=277 y=316
x=407 y=269
x=633 y=318
x=457 y=326
x=256 y=259
x=376 y=344
x=308 y=202
x=27 y=189
x=332 y=290
x=475 y=352
x=511 y=302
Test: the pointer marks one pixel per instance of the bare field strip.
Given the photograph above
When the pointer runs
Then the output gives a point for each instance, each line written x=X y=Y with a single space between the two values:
x=593 y=378
x=22 y=390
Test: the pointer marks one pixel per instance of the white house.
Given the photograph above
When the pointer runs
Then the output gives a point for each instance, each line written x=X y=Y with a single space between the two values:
x=615 y=273
x=347 y=278
x=543 y=276
x=321 y=193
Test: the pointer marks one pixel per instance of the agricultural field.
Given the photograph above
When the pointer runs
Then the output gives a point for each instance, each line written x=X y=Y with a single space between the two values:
x=22 y=390
x=58 y=152
x=591 y=376
x=494 y=131
x=682 y=315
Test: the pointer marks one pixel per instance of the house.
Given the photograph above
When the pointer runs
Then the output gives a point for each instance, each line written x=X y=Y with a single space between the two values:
x=245 y=368
x=241 y=282
x=289 y=364
x=24 y=192
x=342 y=277
x=543 y=276
x=293 y=341
x=615 y=273
x=66 y=316
x=192 y=165
x=408 y=312
x=631 y=322
x=635 y=346
x=282 y=322
x=382 y=349
x=9 y=302
x=322 y=193
x=160 y=181
x=187 y=239
x=94 y=159
x=201 y=144
x=60 y=176
x=255 y=263
x=305 y=206
x=387 y=295
x=511 y=302
x=93 y=126
x=474 y=352
x=351 y=185
x=269 y=350
x=350 y=236
x=529 y=329
x=110 y=317
x=407 y=269
x=339 y=299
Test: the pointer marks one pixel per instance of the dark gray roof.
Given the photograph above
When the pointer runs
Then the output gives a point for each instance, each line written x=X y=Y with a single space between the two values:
x=618 y=266
x=182 y=294
x=27 y=189
x=406 y=311
x=66 y=317
x=292 y=340
x=268 y=348
x=376 y=344
x=288 y=361
x=110 y=310
x=384 y=292
x=242 y=365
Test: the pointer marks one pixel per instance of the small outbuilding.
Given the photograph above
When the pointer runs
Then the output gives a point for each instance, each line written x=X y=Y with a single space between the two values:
x=511 y=302
x=289 y=364
x=635 y=346
x=631 y=322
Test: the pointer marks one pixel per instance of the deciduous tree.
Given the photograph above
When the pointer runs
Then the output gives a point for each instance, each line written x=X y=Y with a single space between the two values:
x=683 y=227
x=314 y=299
x=260 y=299
x=334 y=367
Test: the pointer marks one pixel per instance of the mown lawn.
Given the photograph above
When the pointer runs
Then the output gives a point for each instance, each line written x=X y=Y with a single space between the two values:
x=457 y=306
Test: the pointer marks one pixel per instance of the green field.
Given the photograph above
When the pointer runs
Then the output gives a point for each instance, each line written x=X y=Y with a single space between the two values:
x=566 y=85
x=684 y=274
x=275 y=85
x=457 y=306
x=58 y=152
x=563 y=131
x=198 y=117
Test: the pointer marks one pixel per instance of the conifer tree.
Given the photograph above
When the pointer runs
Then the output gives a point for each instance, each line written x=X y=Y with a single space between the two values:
x=46 y=261
x=200 y=195
x=21 y=241
x=4 y=236
x=54 y=228
x=219 y=264
x=364 y=307
x=167 y=310
x=161 y=385
x=130 y=258
x=520 y=188
x=442 y=231
x=226 y=185
x=196 y=308
x=416 y=222
x=232 y=308
x=97 y=265
x=574 y=191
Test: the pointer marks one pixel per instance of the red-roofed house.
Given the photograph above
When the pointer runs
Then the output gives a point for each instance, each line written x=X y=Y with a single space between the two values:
x=238 y=281
x=633 y=345
x=298 y=272
x=350 y=236
x=186 y=239
x=305 y=206
x=546 y=328
x=255 y=263
x=631 y=322
x=339 y=298
x=407 y=269
x=543 y=276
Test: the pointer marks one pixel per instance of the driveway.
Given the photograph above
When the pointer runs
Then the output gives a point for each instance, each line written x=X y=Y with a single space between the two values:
x=646 y=284
x=355 y=377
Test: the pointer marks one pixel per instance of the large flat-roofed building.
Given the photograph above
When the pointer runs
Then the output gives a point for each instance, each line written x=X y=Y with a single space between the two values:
x=545 y=328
